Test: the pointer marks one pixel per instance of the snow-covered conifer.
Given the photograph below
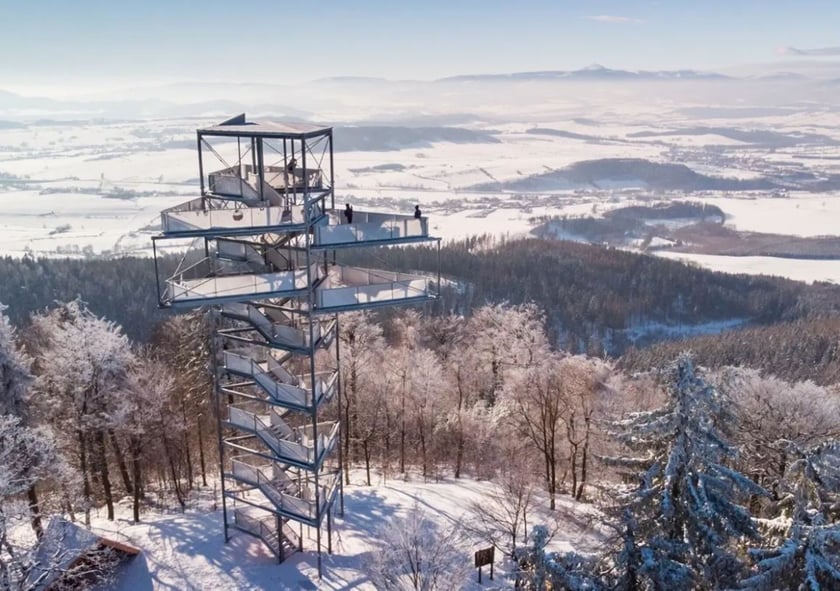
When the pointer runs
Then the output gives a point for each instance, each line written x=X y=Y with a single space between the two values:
x=806 y=557
x=538 y=569
x=686 y=510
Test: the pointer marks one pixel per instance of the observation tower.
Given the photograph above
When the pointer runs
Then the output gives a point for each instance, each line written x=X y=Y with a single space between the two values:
x=265 y=233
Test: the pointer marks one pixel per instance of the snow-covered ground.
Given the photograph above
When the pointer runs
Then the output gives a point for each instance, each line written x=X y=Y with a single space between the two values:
x=96 y=187
x=185 y=551
x=797 y=269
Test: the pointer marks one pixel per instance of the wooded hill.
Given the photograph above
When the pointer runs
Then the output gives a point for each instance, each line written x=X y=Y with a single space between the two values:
x=596 y=299
x=807 y=349
x=593 y=295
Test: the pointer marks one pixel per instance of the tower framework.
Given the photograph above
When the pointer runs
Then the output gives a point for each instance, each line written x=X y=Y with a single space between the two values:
x=265 y=233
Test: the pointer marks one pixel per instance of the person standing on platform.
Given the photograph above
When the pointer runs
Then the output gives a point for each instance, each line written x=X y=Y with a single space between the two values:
x=348 y=213
x=417 y=212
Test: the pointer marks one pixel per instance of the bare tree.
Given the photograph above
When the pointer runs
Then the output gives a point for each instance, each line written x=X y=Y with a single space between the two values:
x=414 y=554
x=501 y=517
x=540 y=403
x=362 y=344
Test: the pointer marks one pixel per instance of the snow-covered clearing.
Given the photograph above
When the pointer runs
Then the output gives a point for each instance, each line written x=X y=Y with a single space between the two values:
x=807 y=270
x=183 y=551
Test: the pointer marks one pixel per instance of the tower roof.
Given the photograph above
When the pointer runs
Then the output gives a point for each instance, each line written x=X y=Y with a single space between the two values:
x=240 y=126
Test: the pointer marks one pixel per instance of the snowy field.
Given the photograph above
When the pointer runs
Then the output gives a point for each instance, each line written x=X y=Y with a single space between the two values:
x=95 y=187
x=187 y=551
x=797 y=269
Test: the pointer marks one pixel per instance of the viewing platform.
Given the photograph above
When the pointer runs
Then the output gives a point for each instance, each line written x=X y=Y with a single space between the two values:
x=209 y=217
x=340 y=288
x=370 y=229
x=212 y=217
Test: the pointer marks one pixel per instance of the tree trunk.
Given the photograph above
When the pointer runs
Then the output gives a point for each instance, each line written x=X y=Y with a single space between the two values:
x=187 y=452
x=552 y=487
x=85 y=478
x=201 y=452
x=423 y=450
x=135 y=472
x=176 y=482
x=34 y=512
x=118 y=454
x=402 y=424
x=102 y=464
x=459 y=448
x=386 y=447
x=459 y=451
x=584 y=459
x=366 y=449
x=346 y=432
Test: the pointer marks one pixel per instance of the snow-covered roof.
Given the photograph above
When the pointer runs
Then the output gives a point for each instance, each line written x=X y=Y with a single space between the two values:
x=63 y=545
x=239 y=125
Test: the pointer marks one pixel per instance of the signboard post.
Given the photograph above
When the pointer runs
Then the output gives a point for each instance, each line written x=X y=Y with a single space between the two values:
x=482 y=557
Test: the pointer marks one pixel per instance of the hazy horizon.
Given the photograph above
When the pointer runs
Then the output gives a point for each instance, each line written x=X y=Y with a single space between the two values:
x=90 y=47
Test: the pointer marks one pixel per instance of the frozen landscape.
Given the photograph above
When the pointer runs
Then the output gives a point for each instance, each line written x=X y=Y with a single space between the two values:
x=76 y=180
x=508 y=339
x=187 y=550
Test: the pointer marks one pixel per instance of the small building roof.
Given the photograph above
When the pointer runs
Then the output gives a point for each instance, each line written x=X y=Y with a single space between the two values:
x=240 y=126
x=65 y=545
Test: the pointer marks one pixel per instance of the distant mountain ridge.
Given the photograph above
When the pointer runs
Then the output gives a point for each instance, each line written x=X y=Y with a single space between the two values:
x=591 y=73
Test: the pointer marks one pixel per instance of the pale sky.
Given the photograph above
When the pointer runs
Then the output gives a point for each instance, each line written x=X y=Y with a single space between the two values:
x=89 y=42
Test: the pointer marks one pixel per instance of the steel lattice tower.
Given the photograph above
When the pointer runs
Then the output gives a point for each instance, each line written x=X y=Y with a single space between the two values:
x=265 y=233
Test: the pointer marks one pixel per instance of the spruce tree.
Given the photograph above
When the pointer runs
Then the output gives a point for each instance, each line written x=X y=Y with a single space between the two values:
x=682 y=517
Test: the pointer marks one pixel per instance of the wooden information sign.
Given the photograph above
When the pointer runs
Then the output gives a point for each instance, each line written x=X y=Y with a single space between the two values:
x=483 y=557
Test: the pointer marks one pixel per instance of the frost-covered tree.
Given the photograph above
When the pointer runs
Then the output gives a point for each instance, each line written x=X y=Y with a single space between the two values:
x=15 y=370
x=425 y=404
x=415 y=554
x=769 y=410
x=686 y=511
x=151 y=424
x=806 y=556
x=182 y=344
x=399 y=364
x=82 y=362
x=505 y=338
x=540 y=570
x=26 y=456
x=15 y=381
x=362 y=345
x=501 y=516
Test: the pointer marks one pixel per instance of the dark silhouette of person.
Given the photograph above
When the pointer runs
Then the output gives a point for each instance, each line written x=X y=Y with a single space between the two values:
x=290 y=167
x=348 y=213
x=417 y=212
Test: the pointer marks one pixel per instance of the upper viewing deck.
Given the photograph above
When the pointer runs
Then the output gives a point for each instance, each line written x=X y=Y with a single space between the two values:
x=214 y=217
x=239 y=126
x=266 y=214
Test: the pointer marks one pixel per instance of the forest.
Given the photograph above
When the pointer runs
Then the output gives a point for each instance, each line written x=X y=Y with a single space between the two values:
x=596 y=300
x=716 y=468
x=708 y=479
